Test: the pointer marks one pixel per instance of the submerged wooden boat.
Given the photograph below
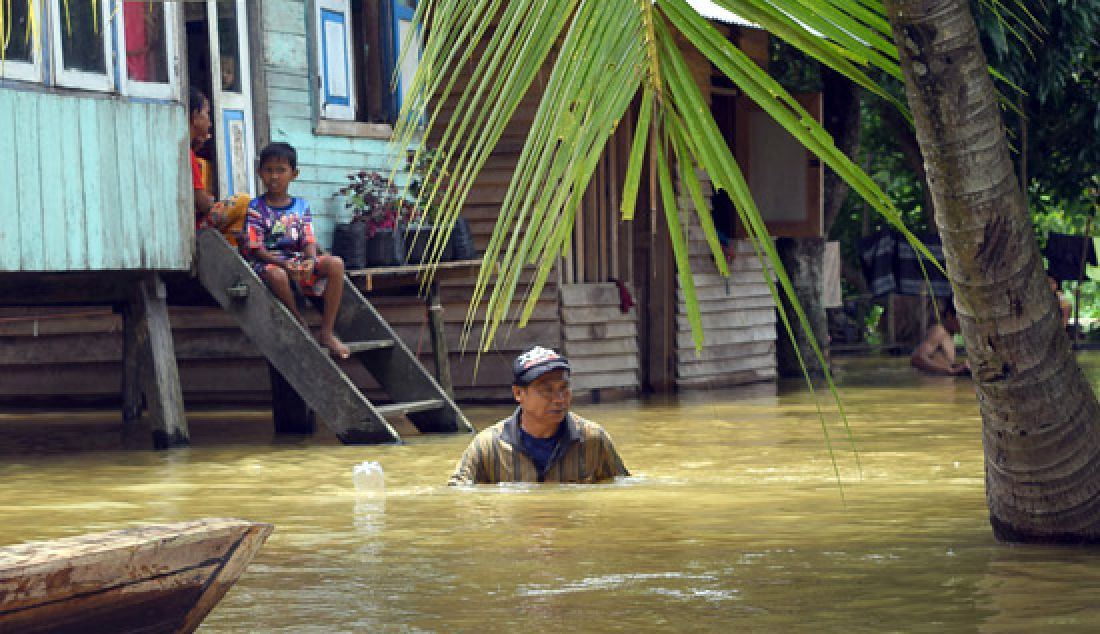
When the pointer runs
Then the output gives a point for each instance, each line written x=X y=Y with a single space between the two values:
x=162 y=578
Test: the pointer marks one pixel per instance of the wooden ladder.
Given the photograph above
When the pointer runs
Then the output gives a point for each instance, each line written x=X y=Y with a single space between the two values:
x=309 y=368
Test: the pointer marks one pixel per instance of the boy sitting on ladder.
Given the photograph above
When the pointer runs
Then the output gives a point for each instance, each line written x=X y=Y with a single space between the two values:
x=278 y=241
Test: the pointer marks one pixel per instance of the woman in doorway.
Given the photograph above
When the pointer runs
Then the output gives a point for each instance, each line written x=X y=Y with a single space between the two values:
x=226 y=215
x=198 y=108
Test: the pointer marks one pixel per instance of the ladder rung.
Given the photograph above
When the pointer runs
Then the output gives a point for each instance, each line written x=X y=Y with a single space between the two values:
x=411 y=406
x=373 y=344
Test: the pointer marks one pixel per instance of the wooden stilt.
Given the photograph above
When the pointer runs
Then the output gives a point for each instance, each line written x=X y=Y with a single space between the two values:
x=151 y=338
x=289 y=412
x=439 y=340
x=132 y=389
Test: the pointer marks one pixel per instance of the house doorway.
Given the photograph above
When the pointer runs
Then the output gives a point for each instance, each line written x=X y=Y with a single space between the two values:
x=218 y=64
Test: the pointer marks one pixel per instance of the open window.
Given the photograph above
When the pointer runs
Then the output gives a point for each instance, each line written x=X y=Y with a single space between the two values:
x=357 y=48
x=81 y=40
x=148 y=43
x=22 y=59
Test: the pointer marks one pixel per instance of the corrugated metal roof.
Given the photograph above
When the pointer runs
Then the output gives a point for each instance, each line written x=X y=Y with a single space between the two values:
x=711 y=11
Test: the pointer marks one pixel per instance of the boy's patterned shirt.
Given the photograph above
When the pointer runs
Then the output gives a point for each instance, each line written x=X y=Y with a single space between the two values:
x=283 y=230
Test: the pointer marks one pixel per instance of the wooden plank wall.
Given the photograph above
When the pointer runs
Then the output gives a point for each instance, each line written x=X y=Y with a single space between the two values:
x=79 y=356
x=480 y=211
x=600 y=340
x=72 y=356
x=738 y=314
x=93 y=184
x=324 y=160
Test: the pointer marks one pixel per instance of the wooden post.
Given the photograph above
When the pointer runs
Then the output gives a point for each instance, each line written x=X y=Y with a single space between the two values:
x=289 y=412
x=1080 y=278
x=439 y=340
x=132 y=389
x=151 y=337
x=802 y=257
x=891 y=322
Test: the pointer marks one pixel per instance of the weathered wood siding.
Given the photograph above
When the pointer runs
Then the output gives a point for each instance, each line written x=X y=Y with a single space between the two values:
x=60 y=356
x=738 y=316
x=93 y=184
x=324 y=160
x=599 y=339
x=494 y=376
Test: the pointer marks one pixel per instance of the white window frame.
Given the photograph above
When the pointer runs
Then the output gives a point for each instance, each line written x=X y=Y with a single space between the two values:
x=328 y=110
x=79 y=79
x=26 y=71
x=152 y=90
x=402 y=20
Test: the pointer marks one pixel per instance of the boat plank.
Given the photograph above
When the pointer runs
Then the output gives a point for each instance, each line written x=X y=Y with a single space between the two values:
x=122 y=580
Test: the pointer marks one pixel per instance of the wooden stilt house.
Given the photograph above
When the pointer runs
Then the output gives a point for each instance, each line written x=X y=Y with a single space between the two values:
x=103 y=213
x=93 y=117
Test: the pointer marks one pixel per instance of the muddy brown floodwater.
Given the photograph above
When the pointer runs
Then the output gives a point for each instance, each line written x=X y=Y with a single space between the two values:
x=733 y=521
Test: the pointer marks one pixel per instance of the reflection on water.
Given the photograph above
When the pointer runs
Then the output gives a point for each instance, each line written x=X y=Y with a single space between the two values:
x=734 y=519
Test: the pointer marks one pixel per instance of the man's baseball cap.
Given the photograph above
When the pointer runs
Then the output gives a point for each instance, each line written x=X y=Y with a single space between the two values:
x=536 y=362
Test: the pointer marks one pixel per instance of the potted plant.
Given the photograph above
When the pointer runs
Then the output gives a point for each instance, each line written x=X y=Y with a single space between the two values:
x=395 y=229
x=377 y=209
x=428 y=185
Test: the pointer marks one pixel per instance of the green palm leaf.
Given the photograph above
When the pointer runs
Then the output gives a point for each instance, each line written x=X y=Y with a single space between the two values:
x=635 y=43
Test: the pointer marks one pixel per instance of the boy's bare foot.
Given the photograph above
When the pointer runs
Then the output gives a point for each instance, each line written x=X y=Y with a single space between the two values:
x=335 y=346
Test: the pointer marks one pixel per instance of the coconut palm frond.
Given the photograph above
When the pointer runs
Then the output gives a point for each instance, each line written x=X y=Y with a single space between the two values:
x=634 y=42
x=844 y=36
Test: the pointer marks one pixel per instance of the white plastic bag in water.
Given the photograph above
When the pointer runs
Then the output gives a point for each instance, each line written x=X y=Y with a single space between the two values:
x=369 y=478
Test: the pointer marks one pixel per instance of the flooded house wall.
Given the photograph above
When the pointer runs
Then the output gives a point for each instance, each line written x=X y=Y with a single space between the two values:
x=737 y=312
x=93 y=183
x=738 y=316
x=74 y=353
x=218 y=364
x=600 y=334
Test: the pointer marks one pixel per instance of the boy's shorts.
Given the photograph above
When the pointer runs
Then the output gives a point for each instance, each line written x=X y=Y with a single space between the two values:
x=312 y=286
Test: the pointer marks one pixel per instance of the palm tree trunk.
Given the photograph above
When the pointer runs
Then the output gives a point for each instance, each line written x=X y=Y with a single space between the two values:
x=1039 y=413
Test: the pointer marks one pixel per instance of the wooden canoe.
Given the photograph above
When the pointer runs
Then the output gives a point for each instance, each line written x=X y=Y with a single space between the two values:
x=162 y=578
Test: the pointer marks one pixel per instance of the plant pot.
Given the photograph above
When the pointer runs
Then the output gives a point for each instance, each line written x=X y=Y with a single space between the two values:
x=417 y=244
x=386 y=248
x=349 y=241
x=462 y=241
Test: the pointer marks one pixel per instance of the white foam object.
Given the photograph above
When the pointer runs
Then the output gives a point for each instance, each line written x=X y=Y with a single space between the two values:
x=369 y=478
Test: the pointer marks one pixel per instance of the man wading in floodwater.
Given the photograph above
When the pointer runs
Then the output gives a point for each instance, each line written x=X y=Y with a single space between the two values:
x=541 y=441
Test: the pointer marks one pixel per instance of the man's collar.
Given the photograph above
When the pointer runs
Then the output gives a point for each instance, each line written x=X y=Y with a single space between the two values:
x=510 y=433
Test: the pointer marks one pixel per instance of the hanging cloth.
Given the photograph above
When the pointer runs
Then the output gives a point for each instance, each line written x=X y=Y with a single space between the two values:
x=876 y=257
x=1063 y=255
x=911 y=280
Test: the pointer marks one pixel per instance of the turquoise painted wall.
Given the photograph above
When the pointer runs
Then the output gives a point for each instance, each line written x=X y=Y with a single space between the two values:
x=324 y=161
x=94 y=184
